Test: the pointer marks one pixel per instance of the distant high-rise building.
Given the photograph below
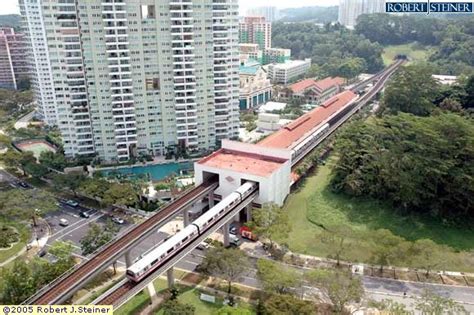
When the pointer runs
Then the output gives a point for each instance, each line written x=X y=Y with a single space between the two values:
x=349 y=10
x=13 y=65
x=125 y=77
x=255 y=30
x=270 y=13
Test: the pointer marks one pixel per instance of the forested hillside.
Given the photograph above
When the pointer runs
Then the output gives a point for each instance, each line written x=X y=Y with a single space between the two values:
x=452 y=39
x=334 y=50
x=419 y=154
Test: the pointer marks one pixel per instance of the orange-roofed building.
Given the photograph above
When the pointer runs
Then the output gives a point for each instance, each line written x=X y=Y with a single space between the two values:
x=297 y=131
x=316 y=91
x=237 y=162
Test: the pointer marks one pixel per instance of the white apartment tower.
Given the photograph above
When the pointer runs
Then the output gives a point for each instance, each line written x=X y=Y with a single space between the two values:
x=349 y=10
x=124 y=77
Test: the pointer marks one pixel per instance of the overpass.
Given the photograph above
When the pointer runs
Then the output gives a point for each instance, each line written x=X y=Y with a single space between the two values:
x=267 y=163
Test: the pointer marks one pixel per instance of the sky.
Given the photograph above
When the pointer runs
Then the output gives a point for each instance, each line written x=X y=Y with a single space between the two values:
x=11 y=6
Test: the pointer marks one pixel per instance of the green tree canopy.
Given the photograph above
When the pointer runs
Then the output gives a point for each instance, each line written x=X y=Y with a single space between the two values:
x=229 y=264
x=97 y=236
x=277 y=278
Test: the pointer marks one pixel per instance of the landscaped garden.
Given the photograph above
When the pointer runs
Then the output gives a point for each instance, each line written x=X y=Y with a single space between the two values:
x=13 y=237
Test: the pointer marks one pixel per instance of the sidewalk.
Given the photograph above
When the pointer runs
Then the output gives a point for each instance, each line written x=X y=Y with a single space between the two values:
x=465 y=279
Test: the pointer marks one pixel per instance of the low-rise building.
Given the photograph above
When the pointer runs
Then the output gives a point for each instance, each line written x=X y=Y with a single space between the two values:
x=283 y=73
x=270 y=122
x=315 y=92
x=270 y=107
x=250 y=51
x=276 y=55
x=255 y=87
x=445 y=79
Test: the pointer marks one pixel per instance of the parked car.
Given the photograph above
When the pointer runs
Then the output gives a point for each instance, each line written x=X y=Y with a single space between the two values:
x=203 y=246
x=72 y=203
x=85 y=214
x=233 y=229
x=234 y=240
x=118 y=220
x=63 y=222
x=24 y=185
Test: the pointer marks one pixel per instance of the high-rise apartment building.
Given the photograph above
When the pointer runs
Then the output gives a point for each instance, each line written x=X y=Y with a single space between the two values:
x=124 y=77
x=270 y=13
x=349 y=10
x=13 y=65
x=255 y=30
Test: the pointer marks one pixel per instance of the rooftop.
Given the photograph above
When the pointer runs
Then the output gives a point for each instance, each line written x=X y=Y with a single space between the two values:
x=271 y=106
x=242 y=162
x=290 y=64
x=250 y=67
x=289 y=136
x=321 y=85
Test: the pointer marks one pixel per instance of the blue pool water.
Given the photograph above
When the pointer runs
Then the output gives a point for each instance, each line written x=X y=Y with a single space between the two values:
x=156 y=172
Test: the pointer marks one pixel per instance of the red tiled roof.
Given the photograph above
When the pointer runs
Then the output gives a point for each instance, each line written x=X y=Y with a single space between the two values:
x=329 y=82
x=320 y=85
x=302 y=85
x=290 y=134
x=242 y=162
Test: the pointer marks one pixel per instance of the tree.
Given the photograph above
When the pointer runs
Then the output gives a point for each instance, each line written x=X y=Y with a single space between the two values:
x=451 y=105
x=69 y=181
x=45 y=272
x=229 y=310
x=392 y=307
x=25 y=204
x=97 y=236
x=282 y=304
x=53 y=160
x=17 y=283
x=276 y=278
x=412 y=90
x=229 y=264
x=432 y=303
x=174 y=307
x=15 y=159
x=336 y=239
x=36 y=170
x=388 y=247
x=428 y=255
x=95 y=187
x=120 y=194
x=270 y=222
x=338 y=286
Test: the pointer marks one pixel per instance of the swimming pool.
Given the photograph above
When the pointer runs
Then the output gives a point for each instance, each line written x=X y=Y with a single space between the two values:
x=156 y=171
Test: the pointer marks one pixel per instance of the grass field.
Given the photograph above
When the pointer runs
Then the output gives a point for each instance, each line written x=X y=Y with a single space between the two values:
x=314 y=205
x=188 y=295
x=411 y=50
x=24 y=236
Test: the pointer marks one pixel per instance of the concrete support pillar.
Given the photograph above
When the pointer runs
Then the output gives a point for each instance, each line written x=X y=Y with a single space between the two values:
x=170 y=276
x=152 y=292
x=186 y=217
x=211 y=199
x=128 y=259
x=248 y=212
x=225 y=231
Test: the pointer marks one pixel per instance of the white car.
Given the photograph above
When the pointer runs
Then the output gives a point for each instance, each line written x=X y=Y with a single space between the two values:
x=118 y=220
x=203 y=246
x=63 y=222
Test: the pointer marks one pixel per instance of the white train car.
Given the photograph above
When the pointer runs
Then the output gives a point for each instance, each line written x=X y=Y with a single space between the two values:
x=154 y=258
x=150 y=261
x=301 y=147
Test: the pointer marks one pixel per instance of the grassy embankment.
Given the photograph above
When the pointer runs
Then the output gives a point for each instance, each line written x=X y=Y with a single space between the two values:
x=314 y=205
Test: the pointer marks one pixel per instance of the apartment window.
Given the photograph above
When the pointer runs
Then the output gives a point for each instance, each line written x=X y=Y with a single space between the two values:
x=148 y=11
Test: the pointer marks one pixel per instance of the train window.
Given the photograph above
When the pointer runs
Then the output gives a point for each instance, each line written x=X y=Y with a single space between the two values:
x=185 y=239
x=161 y=257
x=130 y=273
x=154 y=261
x=169 y=250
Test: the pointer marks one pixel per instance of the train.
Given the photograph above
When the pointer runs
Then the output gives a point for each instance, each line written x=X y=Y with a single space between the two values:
x=156 y=257
x=303 y=146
